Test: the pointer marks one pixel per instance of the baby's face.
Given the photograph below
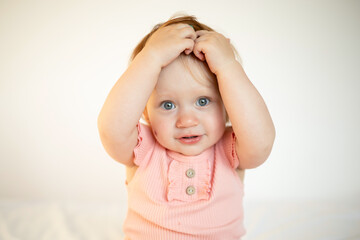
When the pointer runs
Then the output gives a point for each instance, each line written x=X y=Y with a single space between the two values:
x=186 y=116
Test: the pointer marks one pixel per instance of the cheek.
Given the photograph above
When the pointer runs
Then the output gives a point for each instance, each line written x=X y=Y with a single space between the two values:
x=215 y=121
x=220 y=121
x=160 y=126
x=220 y=115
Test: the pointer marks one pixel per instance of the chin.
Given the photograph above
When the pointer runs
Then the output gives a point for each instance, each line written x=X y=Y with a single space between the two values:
x=192 y=152
x=187 y=150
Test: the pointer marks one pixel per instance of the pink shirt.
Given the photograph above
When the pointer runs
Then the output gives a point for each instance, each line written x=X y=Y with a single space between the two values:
x=173 y=196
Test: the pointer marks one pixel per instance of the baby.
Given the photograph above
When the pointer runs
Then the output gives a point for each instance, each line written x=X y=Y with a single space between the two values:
x=203 y=124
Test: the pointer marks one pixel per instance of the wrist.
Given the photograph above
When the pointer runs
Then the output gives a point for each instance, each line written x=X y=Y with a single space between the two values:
x=147 y=59
x=227 y=68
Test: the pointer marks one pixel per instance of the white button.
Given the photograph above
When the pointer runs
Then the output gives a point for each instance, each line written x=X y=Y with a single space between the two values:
x=190 y=190
x=190 y=173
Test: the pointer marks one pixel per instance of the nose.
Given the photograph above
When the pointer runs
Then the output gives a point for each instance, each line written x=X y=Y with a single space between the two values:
x=186 y=120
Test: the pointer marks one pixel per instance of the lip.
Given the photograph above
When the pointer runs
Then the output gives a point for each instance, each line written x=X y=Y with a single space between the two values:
x=190 y=139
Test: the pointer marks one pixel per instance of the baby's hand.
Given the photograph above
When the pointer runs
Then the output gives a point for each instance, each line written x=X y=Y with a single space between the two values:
x=215 y=49
x=169 y=42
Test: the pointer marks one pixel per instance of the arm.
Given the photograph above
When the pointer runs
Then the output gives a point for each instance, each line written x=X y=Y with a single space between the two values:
x=251 y=121
x=250 y=118
x=123 y=108
x=127 y=99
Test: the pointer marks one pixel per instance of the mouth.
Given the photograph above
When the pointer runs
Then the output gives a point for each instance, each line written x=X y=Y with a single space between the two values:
x=192 y=139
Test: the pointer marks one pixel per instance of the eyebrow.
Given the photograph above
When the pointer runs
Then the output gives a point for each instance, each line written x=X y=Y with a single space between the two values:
x=206 y=91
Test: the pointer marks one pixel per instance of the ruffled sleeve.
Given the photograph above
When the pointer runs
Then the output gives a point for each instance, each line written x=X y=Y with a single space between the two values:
x=228 y=141
x=145 y=144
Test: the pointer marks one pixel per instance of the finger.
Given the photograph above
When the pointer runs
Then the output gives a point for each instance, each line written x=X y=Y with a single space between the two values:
x=198 y=52
x=200 y=39
x=189 y=46
x=191 y=35
x=188 y=32
x=201 y=33
x=199 y=55
x=187 y=51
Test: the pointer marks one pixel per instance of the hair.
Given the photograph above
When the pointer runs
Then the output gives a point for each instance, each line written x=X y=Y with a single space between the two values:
x=187 y=60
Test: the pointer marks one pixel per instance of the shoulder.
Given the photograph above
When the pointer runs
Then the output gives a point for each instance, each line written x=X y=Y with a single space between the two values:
x=227 y=147
x=227 y=138
x=145 y=143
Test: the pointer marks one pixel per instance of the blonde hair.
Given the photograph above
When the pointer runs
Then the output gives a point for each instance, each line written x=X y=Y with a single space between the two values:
x=187 y=60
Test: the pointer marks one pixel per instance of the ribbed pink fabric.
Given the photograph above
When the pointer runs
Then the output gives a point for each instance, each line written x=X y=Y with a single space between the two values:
x=159 y=206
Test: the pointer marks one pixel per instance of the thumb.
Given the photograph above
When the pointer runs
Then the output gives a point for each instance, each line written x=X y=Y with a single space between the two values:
x=198 y=53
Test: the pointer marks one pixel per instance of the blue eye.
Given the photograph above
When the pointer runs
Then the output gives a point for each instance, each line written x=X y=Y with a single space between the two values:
x=202 y=101
x=167 y=105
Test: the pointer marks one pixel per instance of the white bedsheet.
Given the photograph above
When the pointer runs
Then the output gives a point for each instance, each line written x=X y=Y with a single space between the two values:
x=302 y=220
x=37 y=220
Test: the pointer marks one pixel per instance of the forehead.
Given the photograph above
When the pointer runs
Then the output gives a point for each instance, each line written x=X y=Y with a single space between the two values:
x=186 y=73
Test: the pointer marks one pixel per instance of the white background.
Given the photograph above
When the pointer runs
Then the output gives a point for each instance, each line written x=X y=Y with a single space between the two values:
x=59 y=60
